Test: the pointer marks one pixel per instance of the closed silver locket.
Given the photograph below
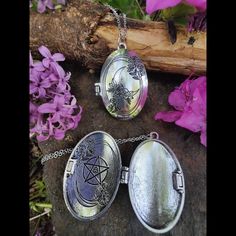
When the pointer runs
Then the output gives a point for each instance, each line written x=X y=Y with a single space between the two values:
x=154 y=177
x=123 y=82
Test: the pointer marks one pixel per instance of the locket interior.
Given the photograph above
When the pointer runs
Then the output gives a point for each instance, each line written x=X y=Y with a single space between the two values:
x=155 y=181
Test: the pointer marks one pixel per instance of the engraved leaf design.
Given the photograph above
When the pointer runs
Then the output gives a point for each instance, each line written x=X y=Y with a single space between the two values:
x=120 y=96
x=135 y=67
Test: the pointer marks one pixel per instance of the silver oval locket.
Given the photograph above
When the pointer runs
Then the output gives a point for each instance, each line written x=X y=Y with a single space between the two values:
x=123 y=84
x=154 y=177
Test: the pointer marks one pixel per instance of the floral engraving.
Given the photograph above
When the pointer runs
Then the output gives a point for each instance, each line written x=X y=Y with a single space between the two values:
x=135 y=67
x=86 y=149
x=121 y=96
x=102 y=195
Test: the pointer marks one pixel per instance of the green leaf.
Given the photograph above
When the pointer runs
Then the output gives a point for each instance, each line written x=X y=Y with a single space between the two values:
x=129 y=7
x=34 y=5
x=147 y=17
x=179 y=11
x=181 y=20
x=58 y=6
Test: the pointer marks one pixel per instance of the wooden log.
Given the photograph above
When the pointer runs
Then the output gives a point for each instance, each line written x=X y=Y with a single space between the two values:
x=87 y=32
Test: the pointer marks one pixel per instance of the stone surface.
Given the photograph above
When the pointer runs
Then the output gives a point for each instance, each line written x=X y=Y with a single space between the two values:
x=120 y=218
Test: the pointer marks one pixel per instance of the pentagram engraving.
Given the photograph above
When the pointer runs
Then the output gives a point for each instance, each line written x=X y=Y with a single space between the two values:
x=95 y=170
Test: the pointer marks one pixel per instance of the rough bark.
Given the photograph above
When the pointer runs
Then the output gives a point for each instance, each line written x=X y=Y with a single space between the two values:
x=87 y=32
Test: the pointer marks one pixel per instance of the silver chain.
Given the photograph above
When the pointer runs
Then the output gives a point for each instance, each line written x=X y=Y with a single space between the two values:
x=62 y=152
x=55 y=154
x=133 y=139
x=122 y=30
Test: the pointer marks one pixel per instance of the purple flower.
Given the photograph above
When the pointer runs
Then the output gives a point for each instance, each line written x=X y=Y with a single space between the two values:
x=49 y=58
x=61 y=116
x=57 y=106
x=38 y=66
x=189 y=100
x=42 y=129
x=154 y=5
x=38 y=85
x=53 y=109
x=199 y=4
x=42 y=4
x=197 y=22
x=34 y=114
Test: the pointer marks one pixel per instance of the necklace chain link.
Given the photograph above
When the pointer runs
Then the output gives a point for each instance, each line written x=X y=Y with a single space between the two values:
x=122 y=30
x=62 y=152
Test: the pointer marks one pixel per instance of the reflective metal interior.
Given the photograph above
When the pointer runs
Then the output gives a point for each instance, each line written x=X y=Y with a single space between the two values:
x=92 y=176
x=123 y=84
x=156 y=186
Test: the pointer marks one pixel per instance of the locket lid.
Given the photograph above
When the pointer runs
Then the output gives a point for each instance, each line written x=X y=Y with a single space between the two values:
x=156 y=186
x=123 y=84
x=92 y=176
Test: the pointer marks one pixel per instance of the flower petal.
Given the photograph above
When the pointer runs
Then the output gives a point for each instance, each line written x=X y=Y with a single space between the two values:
x=177 y=99
x=58 y=57
x=190 y=121
x=168 y=116
x=58 y=69
x=197 y=82
x=53 y=77
x=203 y=138
x=200 y=4
x=46 y=83
x=39 y=66
x=33 y=88
x=42 y=92
x=50 y=4
x=47 y=108
x=46 y=62
x=44 y=51
x=41 y=7
x=59 y=134
x=154 y=5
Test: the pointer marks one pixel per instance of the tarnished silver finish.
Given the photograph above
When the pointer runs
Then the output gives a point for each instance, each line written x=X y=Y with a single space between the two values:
x=156 y=186
x=92 y=176
x=155 y=180
x=123 y=84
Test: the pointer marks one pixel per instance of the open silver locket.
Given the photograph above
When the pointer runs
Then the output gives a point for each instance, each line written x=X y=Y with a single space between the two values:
x=155 y=181
x=123 y=84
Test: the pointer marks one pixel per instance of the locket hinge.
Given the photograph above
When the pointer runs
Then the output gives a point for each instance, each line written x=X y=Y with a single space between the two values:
x=97 y=89
x=178 y=181
x=70 y=167
x=124 y=175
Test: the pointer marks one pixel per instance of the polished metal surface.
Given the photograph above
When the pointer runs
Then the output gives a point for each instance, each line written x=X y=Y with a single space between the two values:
x=156 y=186
x=123 y=84
x=92 y=176
x=155 y=180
